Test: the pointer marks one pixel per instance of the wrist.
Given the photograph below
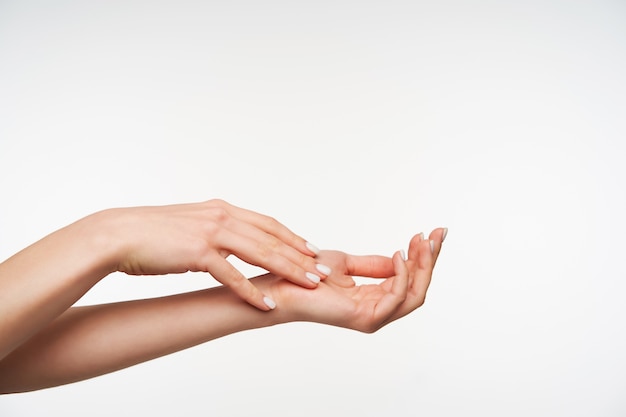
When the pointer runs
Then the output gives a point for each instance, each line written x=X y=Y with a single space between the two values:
x=101 y=238
x=274 y=287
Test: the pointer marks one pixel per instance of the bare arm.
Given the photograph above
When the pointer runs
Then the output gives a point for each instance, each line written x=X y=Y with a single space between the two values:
x=45 y=279
x=88 y=341
x=42 y=281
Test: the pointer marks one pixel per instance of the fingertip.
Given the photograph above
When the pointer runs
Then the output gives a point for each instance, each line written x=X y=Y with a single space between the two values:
x=259 y=300
x=269 y=303
x=312 y=278
x=437 y=237
x=314 y=250
x=414 y=245
x=439 y=234
x=323 y=269
x=399 y=259
x=401 y=279
x=426 y=254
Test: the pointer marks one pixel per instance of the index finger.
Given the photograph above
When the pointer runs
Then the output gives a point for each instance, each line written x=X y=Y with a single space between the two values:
x=224 y=272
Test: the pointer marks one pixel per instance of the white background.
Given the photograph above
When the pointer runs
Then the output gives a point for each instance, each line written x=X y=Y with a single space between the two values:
x=357 y=124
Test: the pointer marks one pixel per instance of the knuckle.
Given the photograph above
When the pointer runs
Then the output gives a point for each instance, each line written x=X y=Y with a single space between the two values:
x=295 y=272
x=264 y=251
x=217 y=202
x=235 y=283
x=290 y=271
x=273 y=244
x=269 y=248
x=218 y=215
x=211 y=228
x=304 y=260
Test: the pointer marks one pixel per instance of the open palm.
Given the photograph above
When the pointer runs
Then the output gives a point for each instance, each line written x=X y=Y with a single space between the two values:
x=339 y=301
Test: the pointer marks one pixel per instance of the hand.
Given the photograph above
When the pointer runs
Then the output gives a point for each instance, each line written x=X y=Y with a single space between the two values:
x=339 y=301
x=198 y=237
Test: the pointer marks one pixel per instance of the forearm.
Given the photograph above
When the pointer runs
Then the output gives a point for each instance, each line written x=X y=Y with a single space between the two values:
x=45 y=279
x=89 y=341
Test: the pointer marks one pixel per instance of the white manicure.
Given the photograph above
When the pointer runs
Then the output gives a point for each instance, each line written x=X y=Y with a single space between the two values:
x=323 y=269
x=403 y=254
x=432 y=246
x=445 y=233
x=312 y=277
x=269 y=302
x=312 y=248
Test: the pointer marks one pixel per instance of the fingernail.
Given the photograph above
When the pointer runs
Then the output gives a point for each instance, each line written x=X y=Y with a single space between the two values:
x=312 y=248
x=403 y=254
x=445 y=233
x=323 y=269
x=432 y=246
x=269 y=302
x=312 y=277
x=421 y=236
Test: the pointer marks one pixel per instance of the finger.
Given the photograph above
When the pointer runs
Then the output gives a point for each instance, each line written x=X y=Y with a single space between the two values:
x=420 y=279
x=371 y=266
x=437 y=236
x=274 y=227
x=269 y=243
x=390 y=302
x=414 y=245
x=267 y=252
x=413 y=255
x=229 y=276
x=422 y=276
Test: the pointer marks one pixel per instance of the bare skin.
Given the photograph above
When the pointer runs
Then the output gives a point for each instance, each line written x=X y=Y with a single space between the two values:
x=83 y=342
x=42 y=281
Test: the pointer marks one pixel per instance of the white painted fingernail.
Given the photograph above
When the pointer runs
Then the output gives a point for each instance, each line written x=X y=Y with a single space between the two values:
x=422 y=236
x=432 y=246
x=403 y=254
x=312 y=248
x=269 y=302
x=445 y=233
x=312 y=277
x=323 y=269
